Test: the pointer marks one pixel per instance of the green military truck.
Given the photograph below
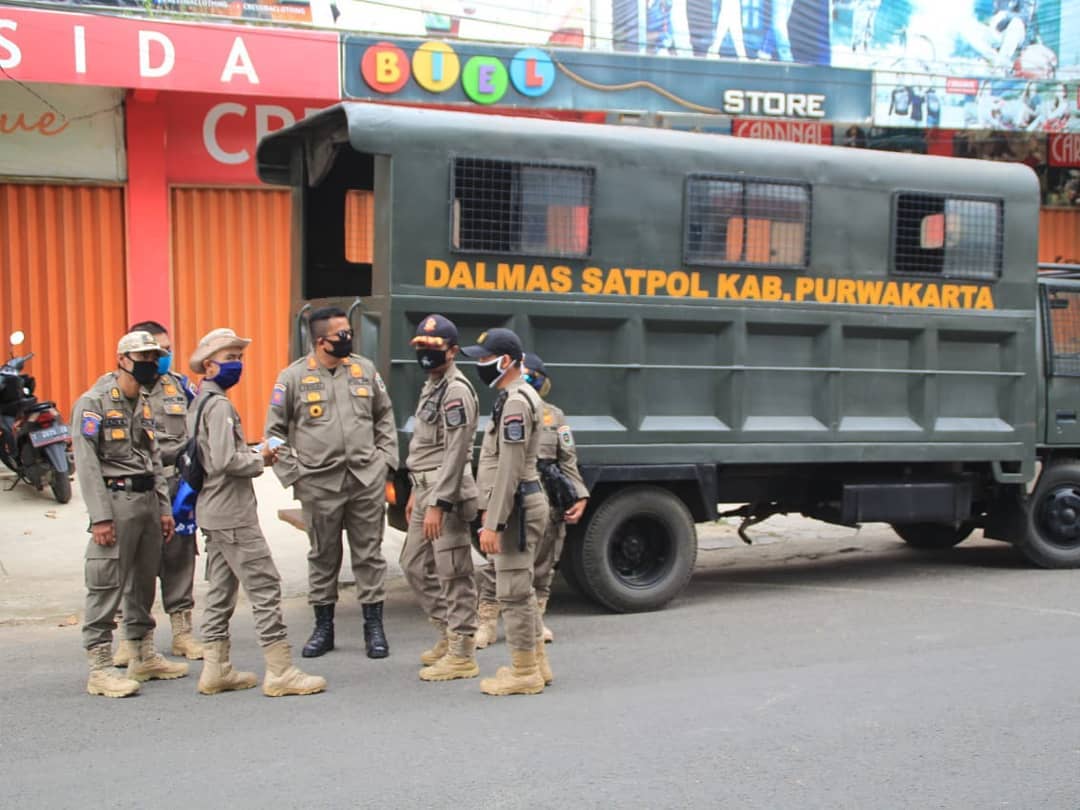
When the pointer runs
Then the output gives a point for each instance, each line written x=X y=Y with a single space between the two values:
x=851 y=335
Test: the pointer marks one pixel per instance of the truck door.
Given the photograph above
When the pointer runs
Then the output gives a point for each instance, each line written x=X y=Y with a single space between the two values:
x=1061 y=325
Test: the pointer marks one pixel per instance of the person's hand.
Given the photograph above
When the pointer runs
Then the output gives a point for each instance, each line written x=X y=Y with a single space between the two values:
x=409 y=507
x=574 y=513
x=269 y=454
x=168 y=527
x=104 y=533
x=490 y=541
x=433 y=520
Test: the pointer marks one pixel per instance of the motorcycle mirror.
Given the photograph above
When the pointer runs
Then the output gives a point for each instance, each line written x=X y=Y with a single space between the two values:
x=17 y=338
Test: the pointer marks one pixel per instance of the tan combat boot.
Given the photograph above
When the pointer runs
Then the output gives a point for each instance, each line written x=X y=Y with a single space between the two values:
x=459 y=661
x=548 y=635
x=543 y=664
x=121 y=658
x=104 y=680
x=522 y=677
x=487 y=624
x=429 y=657
x=283 y=678
x=147 y=664
x=183 y=642
x=217 y=672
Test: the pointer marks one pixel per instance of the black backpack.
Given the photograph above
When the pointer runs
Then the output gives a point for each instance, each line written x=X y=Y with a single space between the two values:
x=189 y=462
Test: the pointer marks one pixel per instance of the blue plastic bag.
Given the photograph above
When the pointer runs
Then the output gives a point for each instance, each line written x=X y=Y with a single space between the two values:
x=183 y=508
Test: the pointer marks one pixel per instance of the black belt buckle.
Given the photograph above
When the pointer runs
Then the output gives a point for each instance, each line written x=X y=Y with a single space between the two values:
x=135 y=483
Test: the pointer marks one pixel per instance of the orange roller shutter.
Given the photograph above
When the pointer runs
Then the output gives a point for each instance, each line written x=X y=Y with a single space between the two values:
x=1059 y=235
x=62 y=282
x=230 y=267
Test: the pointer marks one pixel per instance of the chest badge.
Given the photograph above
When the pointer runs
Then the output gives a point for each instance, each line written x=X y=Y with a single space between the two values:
x=315 y=411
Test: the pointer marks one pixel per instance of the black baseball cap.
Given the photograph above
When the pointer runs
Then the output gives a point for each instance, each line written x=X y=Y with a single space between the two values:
x=435 y=331
x=534 y=364
x=495 y=342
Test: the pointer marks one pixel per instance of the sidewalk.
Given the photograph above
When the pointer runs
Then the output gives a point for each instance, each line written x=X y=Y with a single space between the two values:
x=42 y=545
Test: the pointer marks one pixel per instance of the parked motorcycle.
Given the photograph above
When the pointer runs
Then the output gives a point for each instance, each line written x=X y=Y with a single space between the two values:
x=35 y=442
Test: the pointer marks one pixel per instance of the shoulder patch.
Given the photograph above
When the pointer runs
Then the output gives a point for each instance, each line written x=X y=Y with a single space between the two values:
x=379 y=382
x=277 y=396
x=514 y=428
x=454 y=410
x=565 y=436
x=91 y=424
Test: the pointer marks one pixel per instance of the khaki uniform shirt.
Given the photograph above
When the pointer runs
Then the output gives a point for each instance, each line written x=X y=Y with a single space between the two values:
x=115 y=439
x=442 y=439
x=557 y=444
x=333 y=423
x=508 y=453
x=227 y=499
x=169 y=404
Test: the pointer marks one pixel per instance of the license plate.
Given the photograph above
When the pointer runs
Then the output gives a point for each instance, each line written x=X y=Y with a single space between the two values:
x=39 y=438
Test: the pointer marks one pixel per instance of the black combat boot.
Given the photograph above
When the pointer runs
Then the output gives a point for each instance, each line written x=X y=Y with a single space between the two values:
x=322 y=637
x=374 y=637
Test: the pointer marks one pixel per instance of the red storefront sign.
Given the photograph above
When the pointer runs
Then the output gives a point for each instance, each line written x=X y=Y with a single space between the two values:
x=1064 y=150
x=94 y=49
x=793 y=131
x=212 y=139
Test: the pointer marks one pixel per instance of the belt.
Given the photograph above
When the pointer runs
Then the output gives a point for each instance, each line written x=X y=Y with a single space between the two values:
x=418 y=478
x=529 y=487
x=134 y=483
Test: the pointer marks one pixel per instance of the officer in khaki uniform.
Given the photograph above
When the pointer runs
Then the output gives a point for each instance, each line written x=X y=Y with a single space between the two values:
x=514 y=509
x=169 y=400
x=333 y=411
x=236 y=551
x=120 y=476
x=437 y=555
x=556 y=447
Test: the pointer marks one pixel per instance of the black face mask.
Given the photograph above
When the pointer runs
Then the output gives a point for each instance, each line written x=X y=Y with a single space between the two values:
x=431 y=359
x=489 y=372
x=341 y=347
x=145 y=372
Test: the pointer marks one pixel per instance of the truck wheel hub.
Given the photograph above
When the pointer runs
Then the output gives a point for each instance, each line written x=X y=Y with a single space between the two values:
x=1060 y=513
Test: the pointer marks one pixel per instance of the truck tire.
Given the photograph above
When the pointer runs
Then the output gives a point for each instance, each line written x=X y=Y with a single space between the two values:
x=932 y=536
x=1051 y=537
x=638 y=551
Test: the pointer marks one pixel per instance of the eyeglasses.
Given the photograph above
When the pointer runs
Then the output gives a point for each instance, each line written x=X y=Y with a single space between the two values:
x=344 y=334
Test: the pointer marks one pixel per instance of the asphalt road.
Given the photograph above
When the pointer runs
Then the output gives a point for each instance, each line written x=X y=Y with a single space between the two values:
x=839 y=671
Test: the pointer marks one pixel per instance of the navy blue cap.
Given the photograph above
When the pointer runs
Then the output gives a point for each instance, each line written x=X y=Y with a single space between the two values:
x=435 y=331
x=534 y=364
x=495 y=342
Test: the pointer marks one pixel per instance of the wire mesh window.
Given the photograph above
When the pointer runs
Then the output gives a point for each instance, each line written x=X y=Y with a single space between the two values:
x=747 y=222
x=947 y=236
x=1064 y=314
x=502 y=206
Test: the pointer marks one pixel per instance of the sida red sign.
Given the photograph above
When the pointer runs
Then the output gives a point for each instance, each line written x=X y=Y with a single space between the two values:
x=212 y=139
x=93 y=49
x=792 y=131
x=1064 y=150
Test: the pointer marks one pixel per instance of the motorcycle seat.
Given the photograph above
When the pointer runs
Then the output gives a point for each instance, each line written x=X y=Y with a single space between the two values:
x=40 y=406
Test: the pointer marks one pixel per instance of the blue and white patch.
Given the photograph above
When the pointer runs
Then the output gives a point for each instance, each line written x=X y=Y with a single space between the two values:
x=514 y=428
x=91 y=424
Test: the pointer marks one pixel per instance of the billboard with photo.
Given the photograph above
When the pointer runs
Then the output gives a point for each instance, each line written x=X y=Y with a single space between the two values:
x=1025 y=39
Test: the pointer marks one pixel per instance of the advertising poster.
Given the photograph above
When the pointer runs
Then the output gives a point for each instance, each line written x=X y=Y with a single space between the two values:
x=765 y=30
x=1025 y=39
x=931 y=101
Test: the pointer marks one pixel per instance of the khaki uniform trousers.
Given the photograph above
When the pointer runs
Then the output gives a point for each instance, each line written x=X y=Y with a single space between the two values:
x=360 y=511
x=125 y=572
x=514 y=576
x=178 y=567
x=441 y=572
x=236 y=557
x=548 y=552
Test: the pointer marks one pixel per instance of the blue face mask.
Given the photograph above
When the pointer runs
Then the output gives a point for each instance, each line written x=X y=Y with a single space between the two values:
x=229 y=373
x=164 y=363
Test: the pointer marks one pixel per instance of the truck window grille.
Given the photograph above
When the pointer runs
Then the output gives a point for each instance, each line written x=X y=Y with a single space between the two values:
x=948 y=236
x=501 y=206
x=747 y=222
x=1064 y=309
